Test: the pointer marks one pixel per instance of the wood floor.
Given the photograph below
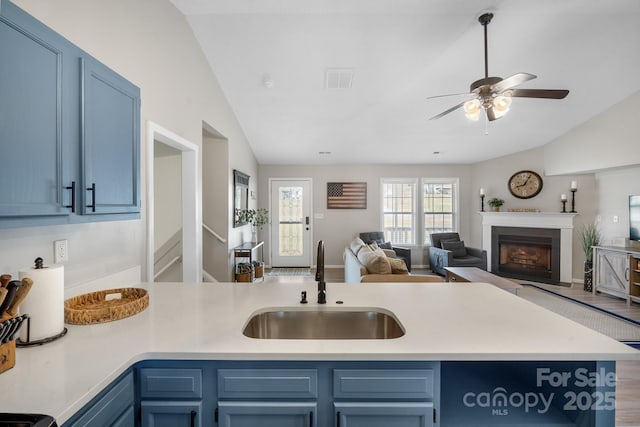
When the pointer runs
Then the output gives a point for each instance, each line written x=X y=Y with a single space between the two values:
x=628 y=372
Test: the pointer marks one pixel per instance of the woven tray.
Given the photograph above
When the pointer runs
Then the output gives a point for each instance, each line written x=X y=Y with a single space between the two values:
x=94 y=307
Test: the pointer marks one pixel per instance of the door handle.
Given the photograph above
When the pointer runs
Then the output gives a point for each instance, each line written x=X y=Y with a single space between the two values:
x=193 y=418
x=72 y=205
x=93 y=197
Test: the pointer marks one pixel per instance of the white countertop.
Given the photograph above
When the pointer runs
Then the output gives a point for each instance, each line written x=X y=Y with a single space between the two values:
x=465 y=321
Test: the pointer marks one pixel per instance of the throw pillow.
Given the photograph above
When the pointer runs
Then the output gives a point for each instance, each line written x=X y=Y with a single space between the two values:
x=457 y=248
x=398 y=266
x=385 y=245
x=374 y=261
x=442 y=242
x=355 y=245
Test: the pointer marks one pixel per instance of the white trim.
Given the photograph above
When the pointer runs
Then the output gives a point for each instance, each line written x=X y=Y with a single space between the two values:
x=551 y=220
x=311 y=217
x=191 y=201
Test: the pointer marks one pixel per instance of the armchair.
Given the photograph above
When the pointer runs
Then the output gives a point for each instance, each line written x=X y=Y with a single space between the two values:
x=378 y=237
x=447 y=250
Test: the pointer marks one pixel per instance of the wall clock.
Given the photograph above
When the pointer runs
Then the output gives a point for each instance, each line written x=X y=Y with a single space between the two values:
x=525 y=184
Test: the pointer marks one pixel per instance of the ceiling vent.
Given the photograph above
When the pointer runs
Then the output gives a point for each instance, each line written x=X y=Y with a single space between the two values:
x=338 y=78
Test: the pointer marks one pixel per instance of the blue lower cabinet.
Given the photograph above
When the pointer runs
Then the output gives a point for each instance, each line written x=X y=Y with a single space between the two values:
x=267 y=414
x=112 y=407
x=383 y=414
x=171 y=414
x=127 y=419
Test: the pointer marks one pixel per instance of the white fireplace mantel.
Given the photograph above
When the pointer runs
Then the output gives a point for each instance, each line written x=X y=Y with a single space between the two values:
x=550 y=220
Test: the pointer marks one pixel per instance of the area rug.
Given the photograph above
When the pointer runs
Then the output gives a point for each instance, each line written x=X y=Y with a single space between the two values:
x=610 y=324
x=290 y=272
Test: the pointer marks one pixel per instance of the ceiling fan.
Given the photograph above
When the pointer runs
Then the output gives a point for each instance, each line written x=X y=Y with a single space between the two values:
x=493 y=94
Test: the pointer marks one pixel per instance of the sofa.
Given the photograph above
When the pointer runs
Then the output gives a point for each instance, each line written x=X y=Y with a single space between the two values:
x=369 y=263
x=447 y=250
x=370 y=237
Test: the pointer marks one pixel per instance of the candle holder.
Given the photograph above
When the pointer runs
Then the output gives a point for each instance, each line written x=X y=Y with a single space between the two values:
x=573 y=200
x=482 y=203
x=564 y=206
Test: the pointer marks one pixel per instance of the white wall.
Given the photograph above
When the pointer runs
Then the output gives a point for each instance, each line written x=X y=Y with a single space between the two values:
x=167 y=197
x=614 y=188
x=340 y=225
x=149 y=43
x=606 y=141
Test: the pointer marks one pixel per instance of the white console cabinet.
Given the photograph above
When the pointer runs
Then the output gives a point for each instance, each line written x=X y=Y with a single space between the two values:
x=617 y=272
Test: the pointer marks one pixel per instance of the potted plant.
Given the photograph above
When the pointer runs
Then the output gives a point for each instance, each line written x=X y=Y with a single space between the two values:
x=590 y=237
x=257 y=218
x=495 y=203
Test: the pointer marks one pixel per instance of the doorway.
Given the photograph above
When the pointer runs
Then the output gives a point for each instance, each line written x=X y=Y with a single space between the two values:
x=191 y=216
x=291 y=225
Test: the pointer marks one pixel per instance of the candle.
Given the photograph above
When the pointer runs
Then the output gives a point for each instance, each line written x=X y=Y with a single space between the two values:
x=574 y=185
x=563 y=197
x=482 y=191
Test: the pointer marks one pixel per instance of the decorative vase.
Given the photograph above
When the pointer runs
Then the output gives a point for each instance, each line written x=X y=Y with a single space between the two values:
x=588 y=276
x=495 y=208
x=254 y=234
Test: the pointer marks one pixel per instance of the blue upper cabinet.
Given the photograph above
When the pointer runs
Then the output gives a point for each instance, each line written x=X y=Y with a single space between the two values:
x=35 y=83
x=67 y=124
x=110 y=141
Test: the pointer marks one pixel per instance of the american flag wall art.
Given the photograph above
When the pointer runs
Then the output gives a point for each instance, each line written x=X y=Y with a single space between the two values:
x=346 y=195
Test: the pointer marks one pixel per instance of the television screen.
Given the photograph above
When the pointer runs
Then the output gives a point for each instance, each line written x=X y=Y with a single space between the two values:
x=634 y=217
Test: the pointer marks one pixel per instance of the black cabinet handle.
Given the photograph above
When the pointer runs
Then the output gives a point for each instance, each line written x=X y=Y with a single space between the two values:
x=72 y=187
x=193 y=418
x=93 y=197
x=338 y=419
x=310 y=418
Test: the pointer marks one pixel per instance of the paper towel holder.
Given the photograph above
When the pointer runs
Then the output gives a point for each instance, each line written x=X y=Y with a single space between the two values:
x=28 y=343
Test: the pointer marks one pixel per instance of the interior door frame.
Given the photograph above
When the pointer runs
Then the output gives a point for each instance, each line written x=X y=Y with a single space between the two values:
x=311 y=224
x=191 y=202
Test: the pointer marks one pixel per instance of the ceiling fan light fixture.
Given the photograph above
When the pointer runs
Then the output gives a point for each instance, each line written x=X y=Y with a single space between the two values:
x=472 y=109
x=502 y=103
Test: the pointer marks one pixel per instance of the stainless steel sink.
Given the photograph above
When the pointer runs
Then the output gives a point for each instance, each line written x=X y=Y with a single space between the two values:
x=327 y=324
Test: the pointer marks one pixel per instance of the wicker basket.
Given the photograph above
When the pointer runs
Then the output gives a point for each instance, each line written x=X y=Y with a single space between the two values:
x=244 y=277
x=94 y=307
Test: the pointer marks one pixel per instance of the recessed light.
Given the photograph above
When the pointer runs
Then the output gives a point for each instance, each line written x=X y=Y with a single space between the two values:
x=324 y=153
x=436 y=152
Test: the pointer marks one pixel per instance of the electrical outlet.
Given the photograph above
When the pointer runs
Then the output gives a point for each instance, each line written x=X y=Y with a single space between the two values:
x=60 y=252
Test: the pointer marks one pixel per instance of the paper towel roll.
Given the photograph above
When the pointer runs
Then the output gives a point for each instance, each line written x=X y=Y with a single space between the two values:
x=44 y=304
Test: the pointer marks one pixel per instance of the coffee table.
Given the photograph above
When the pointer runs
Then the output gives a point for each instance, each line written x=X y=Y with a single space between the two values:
x=475 y=274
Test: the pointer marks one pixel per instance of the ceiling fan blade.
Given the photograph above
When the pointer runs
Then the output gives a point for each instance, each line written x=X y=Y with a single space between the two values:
x=491 y=114
x=449 y=94
x=450 y=110
x=510 y=82
x=539 y=93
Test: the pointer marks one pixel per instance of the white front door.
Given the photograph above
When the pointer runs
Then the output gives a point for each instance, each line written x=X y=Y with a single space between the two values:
x=291 y=223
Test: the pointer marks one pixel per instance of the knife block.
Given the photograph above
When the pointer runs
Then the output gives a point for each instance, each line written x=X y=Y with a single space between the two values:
x=7 y=350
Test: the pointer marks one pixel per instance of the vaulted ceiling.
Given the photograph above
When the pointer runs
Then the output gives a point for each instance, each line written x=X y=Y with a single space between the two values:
x=271 y=59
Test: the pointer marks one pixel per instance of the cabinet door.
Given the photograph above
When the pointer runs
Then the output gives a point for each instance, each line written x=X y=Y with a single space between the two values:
x=266 y=414
x=34 y=95
x=127 y=419
x=109 y=408
x=382 y=414
x=612 y=272
x=171 y=414
x=110 y=141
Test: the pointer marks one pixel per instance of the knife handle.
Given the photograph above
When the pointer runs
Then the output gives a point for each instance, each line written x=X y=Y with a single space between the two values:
x=3 y=294
x=12 y=288
x=4 y=280
x=21 y=294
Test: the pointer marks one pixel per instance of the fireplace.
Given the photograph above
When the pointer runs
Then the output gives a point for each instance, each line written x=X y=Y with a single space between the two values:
x=544 y=222
x=526 y=253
